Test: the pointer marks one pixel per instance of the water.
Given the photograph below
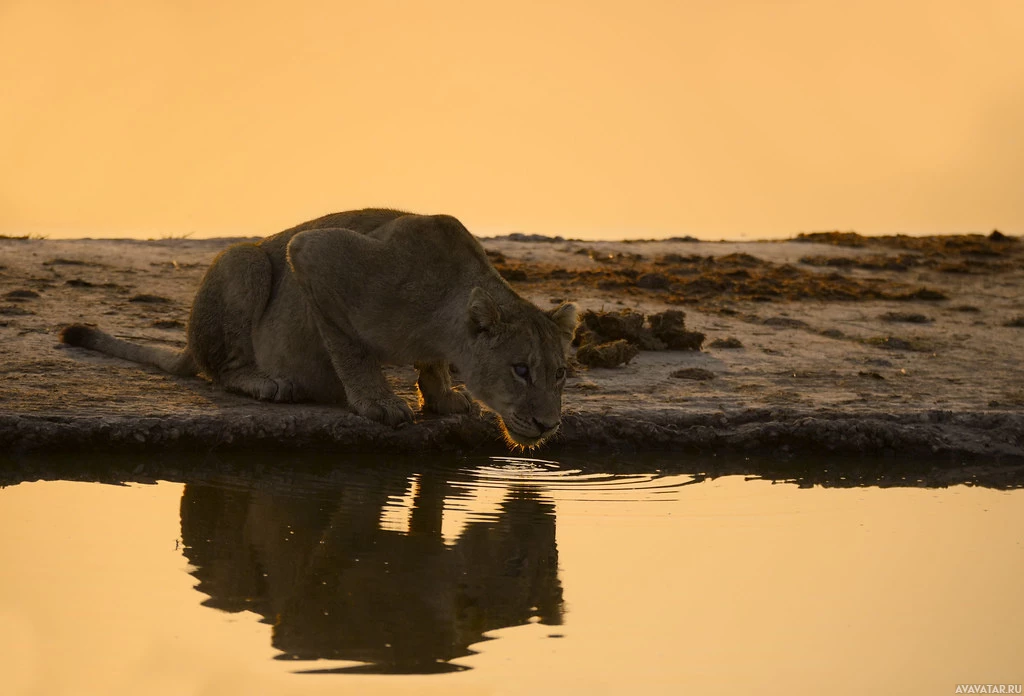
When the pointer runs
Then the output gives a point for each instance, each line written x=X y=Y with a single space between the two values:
x=507 y=575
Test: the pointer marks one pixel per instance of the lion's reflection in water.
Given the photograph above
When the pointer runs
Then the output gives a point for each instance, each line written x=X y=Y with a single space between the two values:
x=335 y=584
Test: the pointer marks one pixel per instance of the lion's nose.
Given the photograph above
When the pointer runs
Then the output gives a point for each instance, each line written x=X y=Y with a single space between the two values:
x=544 y=427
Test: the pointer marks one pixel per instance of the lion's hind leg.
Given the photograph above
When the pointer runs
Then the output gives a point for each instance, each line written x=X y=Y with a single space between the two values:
x=437 y=394
x=251 y=382
x=228 y=306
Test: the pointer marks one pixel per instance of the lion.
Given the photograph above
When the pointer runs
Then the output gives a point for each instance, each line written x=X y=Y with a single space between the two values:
x=312 y=313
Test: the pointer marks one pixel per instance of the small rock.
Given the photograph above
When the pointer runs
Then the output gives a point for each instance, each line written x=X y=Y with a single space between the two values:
x=611 y=326
x=610 y=354
x=669 y=327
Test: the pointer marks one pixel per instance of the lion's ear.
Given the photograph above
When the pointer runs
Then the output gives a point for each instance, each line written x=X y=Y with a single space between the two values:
x=566 y=318
x=483 y=313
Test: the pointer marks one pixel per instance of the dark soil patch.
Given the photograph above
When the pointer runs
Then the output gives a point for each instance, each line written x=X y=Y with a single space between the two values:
x=868 y=263
x=15 y=311
x=673 y=259
x=79 y=283
x=995 y=243
x=72 y=262
x=178 y=266
x=612 y=258
x=847 y=239
x=653 y=281
x=954 y=245
x=906 y=317
x=709 y=280
x=975 y=266
x=1016 y=322
x=786 y=323
x=167 y=324
x=694 y=373
x=923 y=294
x=150 y=299
x=21 y=295
x=966 y=253
x=523 y=237
x=512 y=274
x=895 y=343
x=744 y=260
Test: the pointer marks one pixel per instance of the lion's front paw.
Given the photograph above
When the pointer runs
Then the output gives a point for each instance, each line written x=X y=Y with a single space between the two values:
x=449 y=402
x=285 y=390
x=391 y=410
x=264 y=388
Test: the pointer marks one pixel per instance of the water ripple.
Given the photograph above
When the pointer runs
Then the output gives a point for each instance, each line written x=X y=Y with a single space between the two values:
x=574 y=483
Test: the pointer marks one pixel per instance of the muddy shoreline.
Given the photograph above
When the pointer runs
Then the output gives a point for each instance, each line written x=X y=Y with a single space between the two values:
x=937 y=435
x=825 y=346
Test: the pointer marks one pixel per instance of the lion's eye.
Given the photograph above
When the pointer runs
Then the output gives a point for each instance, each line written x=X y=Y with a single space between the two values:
x=522 y=371
x=560 y=373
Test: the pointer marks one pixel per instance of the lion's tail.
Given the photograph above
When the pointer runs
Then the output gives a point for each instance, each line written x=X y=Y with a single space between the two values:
x=177 y=362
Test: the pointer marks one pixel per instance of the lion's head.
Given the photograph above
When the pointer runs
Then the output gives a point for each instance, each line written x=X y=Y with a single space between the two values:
x=518 y=365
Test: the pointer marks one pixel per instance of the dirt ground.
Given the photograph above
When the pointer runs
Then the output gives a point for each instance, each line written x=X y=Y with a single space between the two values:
x=826 y=344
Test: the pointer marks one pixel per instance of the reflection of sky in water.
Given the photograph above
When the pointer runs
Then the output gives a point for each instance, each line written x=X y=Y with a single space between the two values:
x=725 y=584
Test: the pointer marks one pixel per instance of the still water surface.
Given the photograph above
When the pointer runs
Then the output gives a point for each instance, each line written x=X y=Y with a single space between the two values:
x=507 y=576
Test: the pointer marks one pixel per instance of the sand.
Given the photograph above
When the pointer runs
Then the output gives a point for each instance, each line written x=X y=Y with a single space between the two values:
x=829 y=345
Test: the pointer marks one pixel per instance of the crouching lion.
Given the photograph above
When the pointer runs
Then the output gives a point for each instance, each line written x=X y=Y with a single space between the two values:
x=311 y=313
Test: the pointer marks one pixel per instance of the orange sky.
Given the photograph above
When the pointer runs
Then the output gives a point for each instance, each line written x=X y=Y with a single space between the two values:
x=717 y=118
